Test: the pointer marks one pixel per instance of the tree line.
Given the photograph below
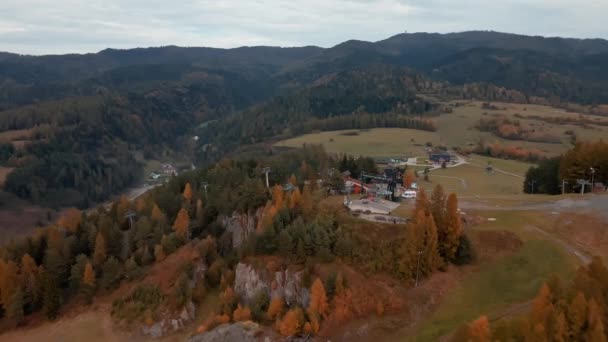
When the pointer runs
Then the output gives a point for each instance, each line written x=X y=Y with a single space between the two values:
x=577 y=163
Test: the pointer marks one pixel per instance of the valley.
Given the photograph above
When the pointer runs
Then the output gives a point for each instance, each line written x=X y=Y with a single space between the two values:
x=425 y=187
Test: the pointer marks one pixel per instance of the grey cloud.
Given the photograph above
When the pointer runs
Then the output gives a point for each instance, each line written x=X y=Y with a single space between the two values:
x=60 y=26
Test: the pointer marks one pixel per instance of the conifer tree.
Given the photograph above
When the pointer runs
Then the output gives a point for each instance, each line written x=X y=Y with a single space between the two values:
x=88 y=282
x=99 y=255
x=181 y=224
x=453 y=229
x=318 y=299
x=187 y=192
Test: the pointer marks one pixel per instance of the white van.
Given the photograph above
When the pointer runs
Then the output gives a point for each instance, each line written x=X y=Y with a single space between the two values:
x=409 y=194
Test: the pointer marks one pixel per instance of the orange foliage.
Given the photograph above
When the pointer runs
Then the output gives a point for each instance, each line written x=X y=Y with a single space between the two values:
x=318 y=299
x=295 y=199
x=99 y=255
x=157 y=215
x=159 y=253
x=70 y=220
x=409 y=179
x=182 y=221
x=290 y=324
x=221 y=319
x=89 y=275
x=277 y=197
x=187 y=192
x=275 y=308
x=479 y=330
x=241 y=314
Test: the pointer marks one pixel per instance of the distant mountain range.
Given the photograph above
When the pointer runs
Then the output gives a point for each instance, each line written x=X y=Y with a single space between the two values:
x=145 y=98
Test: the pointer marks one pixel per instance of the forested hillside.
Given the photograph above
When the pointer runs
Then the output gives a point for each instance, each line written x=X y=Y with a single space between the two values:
x=73 y=127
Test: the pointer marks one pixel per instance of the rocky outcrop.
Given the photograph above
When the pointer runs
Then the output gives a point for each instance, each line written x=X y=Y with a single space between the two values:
x=241 y=331
x=249 y=282
x=171 y=323
x=241 y=225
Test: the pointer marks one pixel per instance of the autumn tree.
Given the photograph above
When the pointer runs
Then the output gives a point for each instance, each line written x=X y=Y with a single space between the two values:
x=241 y=314
x=278 y=197
x=9 y=282
x=438 y=210
x=99 y=255
x=479 y=330
x=181 y=224
x=159 y=253
x=450 y=236
x=157 y=215
x=187 y=192
x=70 y=219
x=275 y=308
x=318 y=299
x=29 y=281
x=295 y=199
x=409 y=179
x=292 y=322
x=577 y=315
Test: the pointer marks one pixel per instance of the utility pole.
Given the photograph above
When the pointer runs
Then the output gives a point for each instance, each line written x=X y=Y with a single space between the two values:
x=564 y=186
x=418 y=266
x=205 y=185
x=532 y=183
x=130 y=215
x=592 y=179
x=266 y=170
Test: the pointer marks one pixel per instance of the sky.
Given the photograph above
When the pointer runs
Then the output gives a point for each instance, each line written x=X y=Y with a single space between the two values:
x=80 y=26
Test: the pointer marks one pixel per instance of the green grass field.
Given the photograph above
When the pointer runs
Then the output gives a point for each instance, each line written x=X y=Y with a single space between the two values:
x=375 y=142
x=504 y=282
x=456 y=129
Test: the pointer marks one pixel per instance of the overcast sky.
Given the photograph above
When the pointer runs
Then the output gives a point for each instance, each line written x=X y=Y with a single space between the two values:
x=62 y=26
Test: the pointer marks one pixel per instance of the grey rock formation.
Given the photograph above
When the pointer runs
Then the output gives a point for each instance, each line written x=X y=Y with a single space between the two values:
x=237 y=332
x=249 y=282
x=241 y=225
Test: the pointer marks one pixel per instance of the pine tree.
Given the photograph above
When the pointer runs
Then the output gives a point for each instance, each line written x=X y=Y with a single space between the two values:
x=285 y=244
x=453 y=229
x=51 y=297
x=307 y=205
x=29 y=281
x=181 y=224
x=99 y=255
x=15 y=308
x=88 y=282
